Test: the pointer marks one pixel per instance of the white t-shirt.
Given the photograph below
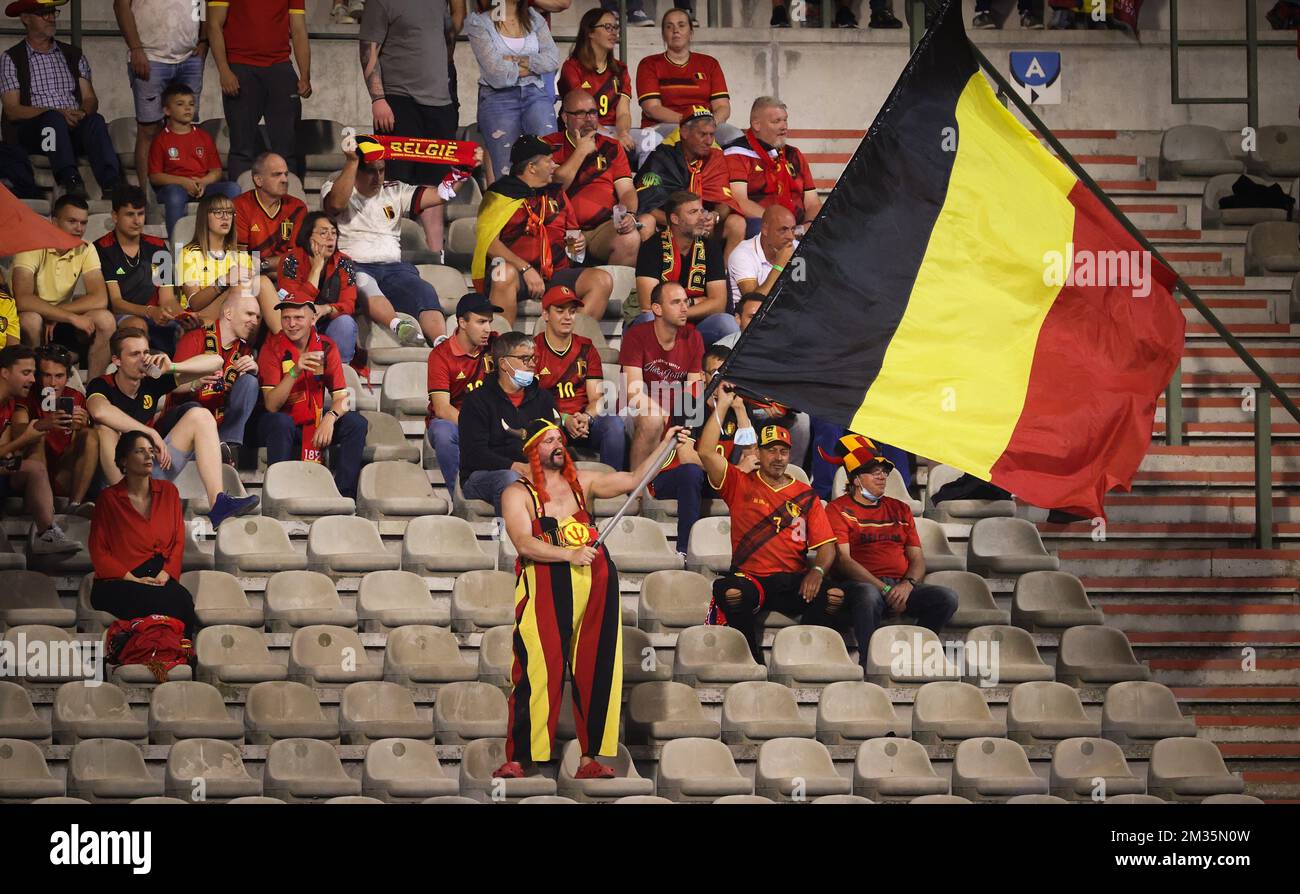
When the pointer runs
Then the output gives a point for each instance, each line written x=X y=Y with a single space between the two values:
x=169 y=29
x=747 y=262
x=370 y=228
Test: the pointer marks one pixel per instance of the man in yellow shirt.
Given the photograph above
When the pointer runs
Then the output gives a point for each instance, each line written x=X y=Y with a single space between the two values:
x=9 y=333
x=43 y=286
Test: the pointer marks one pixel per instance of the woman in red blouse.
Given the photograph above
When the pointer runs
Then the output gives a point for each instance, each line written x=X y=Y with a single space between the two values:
x=592 y=67
x=137 y=541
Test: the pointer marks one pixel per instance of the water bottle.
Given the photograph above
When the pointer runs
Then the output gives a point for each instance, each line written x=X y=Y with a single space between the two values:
x=153 y=370
x=620 y=212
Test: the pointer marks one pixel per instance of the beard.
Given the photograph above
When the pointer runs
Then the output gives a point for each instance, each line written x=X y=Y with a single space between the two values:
x=554 y=460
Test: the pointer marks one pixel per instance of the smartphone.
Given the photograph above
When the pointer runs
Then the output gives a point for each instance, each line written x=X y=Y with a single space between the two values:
x=66 y=405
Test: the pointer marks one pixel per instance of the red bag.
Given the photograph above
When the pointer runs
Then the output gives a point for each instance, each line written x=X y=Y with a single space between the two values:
x=156 y=641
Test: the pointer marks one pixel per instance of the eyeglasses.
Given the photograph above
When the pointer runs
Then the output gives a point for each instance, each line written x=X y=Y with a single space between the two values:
x=525 y=359
x=223 y=212
x=611 y=28
x=49 y=14
x=581 y=113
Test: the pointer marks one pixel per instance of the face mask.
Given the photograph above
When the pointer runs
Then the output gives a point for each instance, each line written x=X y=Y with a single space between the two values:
x=869 y=496
x=745 y=437
x=522 y=378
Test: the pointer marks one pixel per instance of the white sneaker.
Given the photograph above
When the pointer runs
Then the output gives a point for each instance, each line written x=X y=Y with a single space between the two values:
x=52 y=541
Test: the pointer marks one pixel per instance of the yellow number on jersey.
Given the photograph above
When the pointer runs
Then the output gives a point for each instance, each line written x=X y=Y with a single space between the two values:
x=565 y=389
x=604 y=104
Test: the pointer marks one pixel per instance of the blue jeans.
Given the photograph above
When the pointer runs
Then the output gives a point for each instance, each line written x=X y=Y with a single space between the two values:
x=175 y=200
x=89 y=138
x=686 y=485
x=444 y=438
x=488 y=485
x=608 y=437
x=239 y=406
x=342 y=330
x=711 y=328
x=284 y=442
x=148 y=93
x=503 y=115
x=401 y=284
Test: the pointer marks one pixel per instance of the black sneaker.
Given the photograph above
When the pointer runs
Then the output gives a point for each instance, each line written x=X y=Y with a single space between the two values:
x=228 y=453
x=844 y=18
x=780 y=18
x=74 y=186
x=883 y=18
x=984 y=21
x=1031 y=21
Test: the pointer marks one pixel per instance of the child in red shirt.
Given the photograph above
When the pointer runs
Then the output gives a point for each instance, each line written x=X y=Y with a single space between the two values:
x=184 y=164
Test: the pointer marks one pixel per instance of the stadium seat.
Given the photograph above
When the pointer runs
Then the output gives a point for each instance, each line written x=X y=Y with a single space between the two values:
x=255 y=544
x=1005 y=546
x=443 y=543
x=1036 y=799
x=673 y=600
x=217 y=763
x=477 y=763
x=414 y=243
x=18 y=717
x=460 y=237
x=712 y=655
x=1277 y=152
x=141 y=675
x=465 y=204
x=743 y=799
x=367 y=403
x=286 y=710
x=396 y=490
x=383 y=348
x=1271 y=248
x=88 y=618
x=1135 y=799
x=195 y=496
x=183 y=232
x=1044 y=711
x=1195 y=150
x=975 y=603
x=301 y=598
x=853 y=711
x=949 y=711
x=994 y=769
x=796 y=769
x=89 y=709
x=663 y=710
x=31 y=598
x=1093 y=655
x=302 y=491
x=24 y=774
x=110 y=771
x=755 y=711
x=891 y=769
x=710 y=546
x=469 y=710
x=546 y=800
x=1189 y=769
x=1213 y=217
x=390 y=599
x=936 y=548
x=1088 y=769
x=122 y=133
x=904 y=655
x=55 y=641
x=807 y=656
x=626 y=783
x=960 y=510
x=188 y=709
x=233 y=656
x=330 y=656
x=78 y=529
x=470 y=510
x=347 y=545
x=1140 y=711
x=1011 y=656
x=10 y=560
x=219 y=599
x=638 y=545
x=317 y=140
x=196 y=557
x=641 y=663
x=643 y=799
x=404 y=770
x=482 y=599
x=404 y=392
x=496 y=657
x=1232 y=799
x=374 y=710
x=304 y=771
x=698 y=770
x=448 y=282
x=1050 y=601
x=449 y=799
x=385 y=443
x=419 y=655
x=261 y=800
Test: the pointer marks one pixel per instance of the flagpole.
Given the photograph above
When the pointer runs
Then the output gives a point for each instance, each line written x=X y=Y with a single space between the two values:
x=1084 y=177
x=637 y=491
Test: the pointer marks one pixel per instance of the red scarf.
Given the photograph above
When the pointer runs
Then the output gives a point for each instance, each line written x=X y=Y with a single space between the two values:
x=306 y=408
x=537 y=219
x=776 y=173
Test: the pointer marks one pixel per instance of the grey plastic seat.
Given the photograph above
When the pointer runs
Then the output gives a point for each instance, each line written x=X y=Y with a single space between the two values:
x=469 y=510
x=994 y=769
x=326 y=655
x=1003 y=546
x=743 y=799
x=938 y=552
x=29 y=597
x=1271 y=247
x=18 y=717
x=385 y=442
x=1213 y=216
x=960 y=510
x=547 y=799
x=354 y=799
x=905 y=655
x=698 y=770
x=810 y=656
x=673 y=600
x=450 y=799
x=9 y=559
x=420 y=655
x=235 y=655
x=643 y=799
x=89 y=619
x=1085 y=769
x=852 y=711
x=367 y=400
x=1142 y=711
x=189 y=709
x=110 y=771
x=480 y=759
x=140 y=675
x=396 y=490
x=383 y=348
x=405 y=770
x=1135 y=799
x=975 y=603
x=1097 y=656
x=1052 y=601
x=217 y=763
x=1189 y=769
x=255 y=544
x=940 y=799
x=263 y=799
x=1036 y=799
x=999 y=654
x=283 y=709
x=219 y=599
x=1232 y=799
x=755 y=711
x=641 y=662
x=496 y=657
x=57 y=800
x=94 y=710
x=346 y=545
x=447 y=281
x=195 y=496
x=303 y=491
x=301 y=598
x=842 y=799
x=376 y=709
x=482 y=599
x=404 y=393
x=305 y=770
x=710 y=546
x=1043 y=712
x=443 y=543
x=1277 y=152
x=627 y=783
x=390 y=599
x=713 y=655
x=24 y=774
x=795 y=769
x=948 y=711
x=1195 y=150
x=55 y=641
x=638 y=545
x=469 y=710
x=895 y=770
x=659 y=711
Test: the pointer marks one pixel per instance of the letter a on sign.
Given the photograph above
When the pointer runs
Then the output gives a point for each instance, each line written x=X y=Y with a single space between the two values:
x=1037 y=76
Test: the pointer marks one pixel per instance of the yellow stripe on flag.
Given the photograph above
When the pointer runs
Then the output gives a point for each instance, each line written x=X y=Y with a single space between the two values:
x=493 y=213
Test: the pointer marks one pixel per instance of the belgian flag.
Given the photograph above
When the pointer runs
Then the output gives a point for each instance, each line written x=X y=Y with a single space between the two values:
x=964 y=296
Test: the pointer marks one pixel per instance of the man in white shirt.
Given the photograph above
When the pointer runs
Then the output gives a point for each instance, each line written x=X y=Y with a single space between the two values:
x=756 y=264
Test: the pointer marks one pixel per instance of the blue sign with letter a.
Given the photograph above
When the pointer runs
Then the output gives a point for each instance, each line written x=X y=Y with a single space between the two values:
x=1037 y=76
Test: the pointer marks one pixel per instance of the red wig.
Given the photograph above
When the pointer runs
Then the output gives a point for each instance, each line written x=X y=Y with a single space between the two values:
x=568 y=470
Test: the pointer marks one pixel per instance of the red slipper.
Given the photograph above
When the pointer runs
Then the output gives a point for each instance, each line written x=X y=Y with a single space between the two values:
x=595 y=770
x=509 y=770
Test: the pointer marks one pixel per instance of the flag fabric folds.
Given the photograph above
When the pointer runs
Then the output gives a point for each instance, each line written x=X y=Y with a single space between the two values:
x=500 y=202
x=964 y=296
x=25 y=230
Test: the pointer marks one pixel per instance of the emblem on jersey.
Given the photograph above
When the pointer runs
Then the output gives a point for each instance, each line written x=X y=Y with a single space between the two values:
x=699 y=76
x=601 y=162
x=555 y=206
x=460 y=375
x=198 y=150
x=4 y=323
x=255 y=228
x=173 y=152
x=651 y=179
x=389 y=212
x=286 y=229
x=586 y=85
x=546 y=371
x=792 y=508
x=576 y=533
x=147 y=403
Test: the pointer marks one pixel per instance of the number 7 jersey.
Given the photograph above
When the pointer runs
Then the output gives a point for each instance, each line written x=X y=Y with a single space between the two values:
x=772 y=528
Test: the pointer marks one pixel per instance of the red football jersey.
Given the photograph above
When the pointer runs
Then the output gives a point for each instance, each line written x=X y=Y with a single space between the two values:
x=696 y=82
x=605 y=87
x=876 y=535
x=257 y=31
x=57 y=440
x=279 y=355
x=771 y=176
x=565 y=373
x=546 y=215
x=592 y=192
x=754 y=505
x=257 y=229
x=208 y=341
x=190 y=154
x=455 y=372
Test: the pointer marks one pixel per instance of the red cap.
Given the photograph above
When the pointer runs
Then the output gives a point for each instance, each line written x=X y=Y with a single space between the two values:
x=773 y=434
x=558 y=295
x=21 y=7
x=288 y=298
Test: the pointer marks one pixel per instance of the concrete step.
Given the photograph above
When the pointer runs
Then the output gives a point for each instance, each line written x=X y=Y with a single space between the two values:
x=1172 y=585
x=1195 y=508
x=1179 y=618
x=1233 y=670
x=1232 y=311
x=1278 y=361
x=1210 y=459
x=1106 y=560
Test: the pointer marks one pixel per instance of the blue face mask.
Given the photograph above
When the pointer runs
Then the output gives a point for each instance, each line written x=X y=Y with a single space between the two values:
x=745 y=437
x=522 y=378
x=869 y=496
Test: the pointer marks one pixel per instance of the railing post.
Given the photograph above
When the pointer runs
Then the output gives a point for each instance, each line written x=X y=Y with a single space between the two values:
x=1264 y=469
x=622 y=31
x=916 y=27
x=1173 y=52
x=1252 y=66
x=76 y=23
x=1174 y=408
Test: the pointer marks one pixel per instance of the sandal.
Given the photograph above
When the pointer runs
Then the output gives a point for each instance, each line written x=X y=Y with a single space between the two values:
x=509 y=770
x=595 y=770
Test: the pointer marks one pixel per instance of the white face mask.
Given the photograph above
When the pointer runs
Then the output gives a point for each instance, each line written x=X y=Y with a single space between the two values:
x=869 y=496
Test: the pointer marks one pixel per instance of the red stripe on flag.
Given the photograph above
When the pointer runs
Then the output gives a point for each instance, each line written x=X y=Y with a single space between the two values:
x=25 y=230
